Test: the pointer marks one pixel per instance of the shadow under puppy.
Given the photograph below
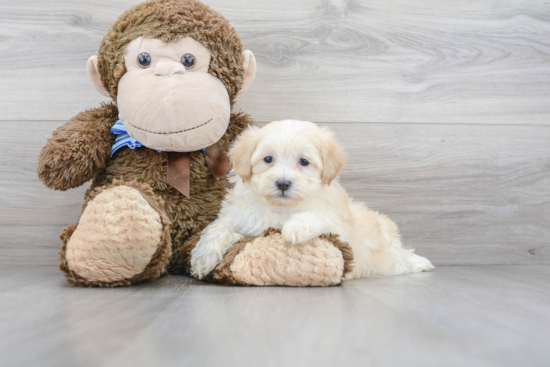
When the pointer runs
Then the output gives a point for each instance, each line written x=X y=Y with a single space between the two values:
x=287 y=179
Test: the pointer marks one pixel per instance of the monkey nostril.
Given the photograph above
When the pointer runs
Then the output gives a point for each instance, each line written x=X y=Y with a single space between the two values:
x=283 y=185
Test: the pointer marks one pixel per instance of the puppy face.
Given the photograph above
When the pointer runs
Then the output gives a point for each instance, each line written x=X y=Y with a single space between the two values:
x=287 y=162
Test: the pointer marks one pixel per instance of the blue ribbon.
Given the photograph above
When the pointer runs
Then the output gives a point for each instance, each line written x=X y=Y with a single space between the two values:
x=124 y=139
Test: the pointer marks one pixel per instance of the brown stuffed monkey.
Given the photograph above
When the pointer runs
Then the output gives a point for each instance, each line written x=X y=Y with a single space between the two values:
x=156 y=155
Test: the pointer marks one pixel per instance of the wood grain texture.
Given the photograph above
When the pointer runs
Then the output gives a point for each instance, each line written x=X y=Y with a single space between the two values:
x=453 y=316
x=23 y=199
x=461 y=194
x=322 y=60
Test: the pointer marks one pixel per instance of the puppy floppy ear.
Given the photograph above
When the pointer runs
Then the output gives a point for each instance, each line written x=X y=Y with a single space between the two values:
x=240 y=155
x=333 y=156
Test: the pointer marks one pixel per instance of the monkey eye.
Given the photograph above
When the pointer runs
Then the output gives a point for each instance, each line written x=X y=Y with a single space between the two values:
x=268 y=159
x=188 y=61
x=144 y=60
x=304 y=162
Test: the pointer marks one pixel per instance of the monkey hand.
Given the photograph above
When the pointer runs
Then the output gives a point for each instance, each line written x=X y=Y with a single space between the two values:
x=78 y=150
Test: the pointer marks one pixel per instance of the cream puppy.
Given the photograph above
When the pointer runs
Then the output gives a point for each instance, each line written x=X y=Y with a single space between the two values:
x=287 y=179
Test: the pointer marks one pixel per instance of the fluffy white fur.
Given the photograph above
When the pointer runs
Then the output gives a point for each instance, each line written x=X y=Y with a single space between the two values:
x=315 y=203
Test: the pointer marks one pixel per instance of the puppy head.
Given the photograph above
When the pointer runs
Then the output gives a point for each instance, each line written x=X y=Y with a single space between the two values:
x=287 y=162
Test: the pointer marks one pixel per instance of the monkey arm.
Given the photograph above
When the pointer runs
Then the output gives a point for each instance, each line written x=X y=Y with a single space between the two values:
x=78 y=150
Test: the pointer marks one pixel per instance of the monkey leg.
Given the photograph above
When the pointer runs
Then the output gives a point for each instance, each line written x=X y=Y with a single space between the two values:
x=270 y=260
x=122 y=237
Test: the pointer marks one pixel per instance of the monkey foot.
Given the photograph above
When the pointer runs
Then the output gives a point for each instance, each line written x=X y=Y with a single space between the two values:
x=121 y=238
x=270 y=260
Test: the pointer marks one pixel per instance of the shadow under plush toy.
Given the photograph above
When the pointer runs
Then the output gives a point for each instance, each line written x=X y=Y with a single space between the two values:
x=156 y=157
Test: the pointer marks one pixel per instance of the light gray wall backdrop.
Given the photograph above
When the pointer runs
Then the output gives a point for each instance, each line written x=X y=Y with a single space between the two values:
x=443 y=107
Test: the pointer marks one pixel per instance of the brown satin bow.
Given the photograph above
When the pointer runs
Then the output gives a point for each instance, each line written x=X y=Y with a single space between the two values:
x=179 y=167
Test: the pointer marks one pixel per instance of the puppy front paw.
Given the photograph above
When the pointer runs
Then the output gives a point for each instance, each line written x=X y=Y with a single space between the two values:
x=209 y=251
x=203 y=261
x=298 y=232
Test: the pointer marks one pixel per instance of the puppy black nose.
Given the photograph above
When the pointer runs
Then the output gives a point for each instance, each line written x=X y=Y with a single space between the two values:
x=283 y=185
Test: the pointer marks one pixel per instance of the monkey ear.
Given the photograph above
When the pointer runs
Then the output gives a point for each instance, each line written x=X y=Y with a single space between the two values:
x=250 y=69
x=334 y=157
x=91 y=68
x=240 y=155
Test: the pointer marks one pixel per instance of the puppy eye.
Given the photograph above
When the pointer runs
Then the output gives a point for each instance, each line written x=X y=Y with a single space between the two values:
x=304 y=162
x=268 y=159
x=188 y=61
x=144 y=60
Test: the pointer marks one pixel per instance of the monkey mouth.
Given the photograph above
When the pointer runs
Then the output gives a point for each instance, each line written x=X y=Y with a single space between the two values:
x=170 y=132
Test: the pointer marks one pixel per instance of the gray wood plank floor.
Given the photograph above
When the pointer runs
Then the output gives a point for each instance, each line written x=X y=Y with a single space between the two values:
x=453 y=316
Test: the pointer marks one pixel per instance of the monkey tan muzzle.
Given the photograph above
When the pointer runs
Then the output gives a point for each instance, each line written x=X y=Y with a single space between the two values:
x=176 y=112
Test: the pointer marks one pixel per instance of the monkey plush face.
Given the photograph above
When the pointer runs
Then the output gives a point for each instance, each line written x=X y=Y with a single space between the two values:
x=174 y=73
x=167 y=100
